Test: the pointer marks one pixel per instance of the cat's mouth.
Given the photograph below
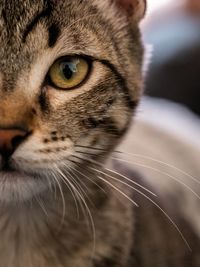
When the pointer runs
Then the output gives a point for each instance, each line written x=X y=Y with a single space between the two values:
x=10 y=174
x=17 y=185
x=7 y=169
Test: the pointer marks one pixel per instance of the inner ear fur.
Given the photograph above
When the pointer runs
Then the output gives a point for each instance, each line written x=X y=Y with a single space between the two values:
x=135 y=9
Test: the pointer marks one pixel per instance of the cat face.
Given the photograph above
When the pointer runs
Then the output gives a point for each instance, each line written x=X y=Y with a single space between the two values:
x=70 y=77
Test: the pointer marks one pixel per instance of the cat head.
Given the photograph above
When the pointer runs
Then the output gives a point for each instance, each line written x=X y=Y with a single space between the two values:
x=70 y=79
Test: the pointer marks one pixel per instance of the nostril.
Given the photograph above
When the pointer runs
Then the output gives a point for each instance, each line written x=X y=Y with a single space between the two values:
x=10 y=139
x=16 y=141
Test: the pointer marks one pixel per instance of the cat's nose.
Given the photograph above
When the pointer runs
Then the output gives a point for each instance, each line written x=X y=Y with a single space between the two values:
x=10 y=139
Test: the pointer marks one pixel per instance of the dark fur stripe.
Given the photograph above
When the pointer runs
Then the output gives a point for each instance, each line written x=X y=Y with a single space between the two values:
x=54 y=33
x=130 y=102
x=106 y=262
x=43 y=101
x=43 y=14
x=108 y=124
x=4 y=16
x=91 y=123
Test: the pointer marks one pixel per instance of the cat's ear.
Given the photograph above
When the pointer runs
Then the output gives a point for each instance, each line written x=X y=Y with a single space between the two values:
x=134 y=8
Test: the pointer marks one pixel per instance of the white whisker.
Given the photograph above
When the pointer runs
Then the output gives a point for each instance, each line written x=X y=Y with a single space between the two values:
x=62 y=196
x=42 y=206
x=114 y=187
x=147 y=167
x=122 y=176
x=79 y=187
x=163 y=173
x=83 y=175
x=143 y=157
x=71 y=189
x=161 y=162
x=88 y=211
x=154 y=203
x=118 y=190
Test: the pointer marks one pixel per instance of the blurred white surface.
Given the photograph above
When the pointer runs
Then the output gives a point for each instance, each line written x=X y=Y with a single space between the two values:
x=163 y=145
x=155 y=5
x=172 y=118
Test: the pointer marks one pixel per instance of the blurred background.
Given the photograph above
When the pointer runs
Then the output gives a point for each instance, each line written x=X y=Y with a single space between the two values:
x=173 y=29
x=164 y=145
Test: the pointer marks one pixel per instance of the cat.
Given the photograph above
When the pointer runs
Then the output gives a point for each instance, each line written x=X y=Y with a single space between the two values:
x=70 y=81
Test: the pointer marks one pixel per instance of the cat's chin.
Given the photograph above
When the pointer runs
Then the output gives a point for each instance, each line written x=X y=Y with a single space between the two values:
x=17 y=187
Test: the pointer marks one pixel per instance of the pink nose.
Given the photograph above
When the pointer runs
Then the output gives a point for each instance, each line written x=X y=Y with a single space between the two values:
x=10 y=139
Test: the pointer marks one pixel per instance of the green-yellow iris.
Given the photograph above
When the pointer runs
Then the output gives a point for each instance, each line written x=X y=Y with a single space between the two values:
x=69 y=72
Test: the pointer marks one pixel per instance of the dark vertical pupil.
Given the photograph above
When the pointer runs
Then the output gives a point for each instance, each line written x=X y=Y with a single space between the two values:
x=68 y=70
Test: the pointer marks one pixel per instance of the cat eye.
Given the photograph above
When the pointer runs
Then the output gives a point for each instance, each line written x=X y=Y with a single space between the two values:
x=69 y=72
